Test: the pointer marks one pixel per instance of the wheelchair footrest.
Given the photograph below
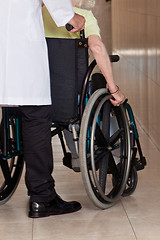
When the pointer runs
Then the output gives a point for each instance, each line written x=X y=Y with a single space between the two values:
x=67 y=160
x=140 y=163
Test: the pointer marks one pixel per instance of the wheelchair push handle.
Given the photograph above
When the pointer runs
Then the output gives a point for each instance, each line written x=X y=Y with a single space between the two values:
x=69 y=27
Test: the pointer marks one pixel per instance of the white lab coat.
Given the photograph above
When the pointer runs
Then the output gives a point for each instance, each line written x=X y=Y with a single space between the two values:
x=24 y=71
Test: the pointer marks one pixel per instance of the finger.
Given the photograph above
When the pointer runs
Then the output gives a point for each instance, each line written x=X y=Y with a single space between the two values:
x=121 y=102
x=77 y=29
x=83 y=27
x=74 y=30
x=114 y=103
x=124 y=99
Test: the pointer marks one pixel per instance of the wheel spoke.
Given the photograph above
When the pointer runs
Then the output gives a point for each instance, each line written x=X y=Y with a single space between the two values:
x=113 y=167
x=115 y=137
x=101 y=140
x=99 y=154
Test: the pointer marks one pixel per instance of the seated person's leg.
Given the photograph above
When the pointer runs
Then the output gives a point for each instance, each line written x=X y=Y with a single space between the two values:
x=71 y=145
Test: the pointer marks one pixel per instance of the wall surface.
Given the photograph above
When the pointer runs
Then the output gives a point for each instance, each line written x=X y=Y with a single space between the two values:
x=136 y=38
x=102 y=12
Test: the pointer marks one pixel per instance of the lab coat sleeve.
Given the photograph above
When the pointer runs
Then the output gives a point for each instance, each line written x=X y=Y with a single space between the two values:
x=60 y=10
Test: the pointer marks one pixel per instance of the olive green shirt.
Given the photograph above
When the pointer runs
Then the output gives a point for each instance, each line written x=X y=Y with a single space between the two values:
x=52 y=31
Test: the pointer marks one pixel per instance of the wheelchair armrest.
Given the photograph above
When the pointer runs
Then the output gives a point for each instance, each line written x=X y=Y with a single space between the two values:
x=114 y=58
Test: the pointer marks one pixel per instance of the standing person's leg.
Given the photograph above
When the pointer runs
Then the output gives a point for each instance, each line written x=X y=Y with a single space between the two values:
x=36 y=125
x=36 y=133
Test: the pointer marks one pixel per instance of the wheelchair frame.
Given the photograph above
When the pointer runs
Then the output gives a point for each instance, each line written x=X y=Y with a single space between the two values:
x=94 y=173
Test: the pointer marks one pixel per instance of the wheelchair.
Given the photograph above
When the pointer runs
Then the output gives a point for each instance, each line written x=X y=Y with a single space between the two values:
x=105 y=136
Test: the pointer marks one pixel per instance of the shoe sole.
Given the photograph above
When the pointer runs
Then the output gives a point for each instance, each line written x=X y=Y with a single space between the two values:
x=47 y=214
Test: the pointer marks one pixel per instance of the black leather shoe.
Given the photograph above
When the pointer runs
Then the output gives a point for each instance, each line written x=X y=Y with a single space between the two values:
x=56 y=207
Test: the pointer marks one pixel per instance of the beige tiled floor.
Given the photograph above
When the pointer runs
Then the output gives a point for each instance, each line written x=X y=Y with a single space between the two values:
x=134 y=217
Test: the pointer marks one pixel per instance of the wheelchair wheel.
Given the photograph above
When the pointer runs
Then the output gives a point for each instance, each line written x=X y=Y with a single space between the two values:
x=131 y=183
x=104 y=150
x=133 y=176
x=11 y=168
x=10 y=174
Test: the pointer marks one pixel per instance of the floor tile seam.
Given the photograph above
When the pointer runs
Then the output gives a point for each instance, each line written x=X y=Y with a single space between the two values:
x=33 y=229
x=129 y=222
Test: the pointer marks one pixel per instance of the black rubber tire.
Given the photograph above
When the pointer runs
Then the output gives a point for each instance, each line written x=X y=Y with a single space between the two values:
x=131 y=183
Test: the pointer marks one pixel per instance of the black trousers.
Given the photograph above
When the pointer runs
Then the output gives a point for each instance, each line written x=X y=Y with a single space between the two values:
x=36 y=134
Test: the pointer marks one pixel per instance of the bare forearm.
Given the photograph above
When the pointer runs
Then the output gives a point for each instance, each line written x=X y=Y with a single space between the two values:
x=100 y=54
